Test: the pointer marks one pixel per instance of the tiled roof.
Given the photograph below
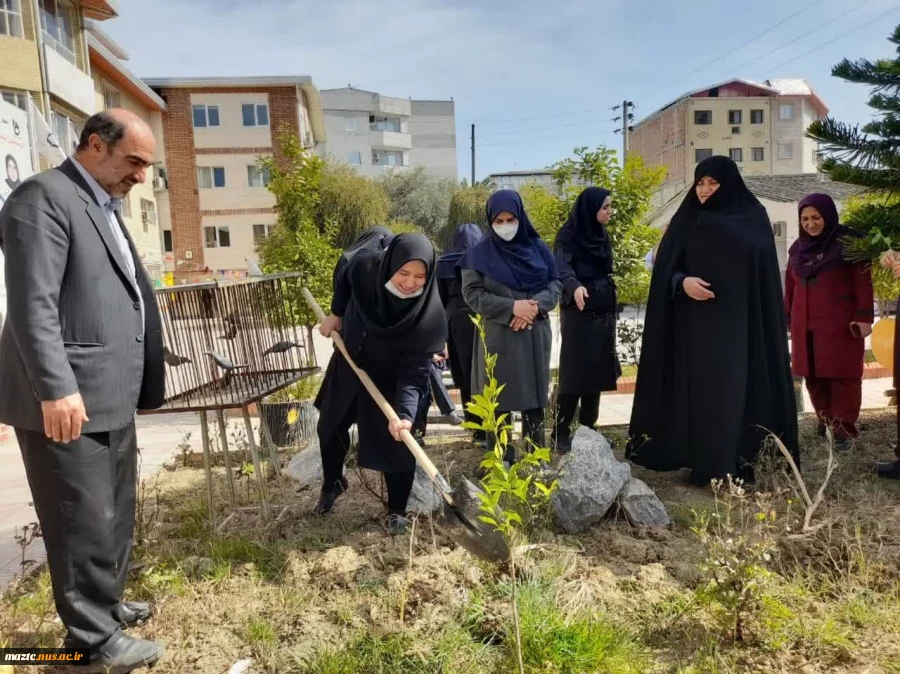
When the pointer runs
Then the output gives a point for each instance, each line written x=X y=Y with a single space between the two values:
x=791 y=188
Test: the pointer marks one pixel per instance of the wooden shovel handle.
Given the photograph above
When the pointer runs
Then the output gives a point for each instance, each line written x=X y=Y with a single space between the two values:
x=407 y=438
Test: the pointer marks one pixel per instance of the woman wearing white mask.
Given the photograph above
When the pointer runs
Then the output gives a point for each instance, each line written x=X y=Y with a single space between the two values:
x=510 y=279
x=387 y=308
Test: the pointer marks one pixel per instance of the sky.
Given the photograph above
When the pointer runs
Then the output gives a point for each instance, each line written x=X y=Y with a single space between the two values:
x=538 y=78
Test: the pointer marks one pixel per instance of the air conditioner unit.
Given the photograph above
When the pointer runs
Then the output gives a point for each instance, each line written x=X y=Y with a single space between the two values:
x=159 y=183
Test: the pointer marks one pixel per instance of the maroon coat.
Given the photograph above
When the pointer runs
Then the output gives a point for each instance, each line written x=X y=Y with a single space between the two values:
x=825 y=305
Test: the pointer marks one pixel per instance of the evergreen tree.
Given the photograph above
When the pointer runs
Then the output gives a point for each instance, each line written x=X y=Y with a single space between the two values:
x=868 y=156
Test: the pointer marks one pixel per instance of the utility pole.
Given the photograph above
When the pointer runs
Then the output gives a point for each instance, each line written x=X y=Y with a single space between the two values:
x=627 y=117
x=473 y=155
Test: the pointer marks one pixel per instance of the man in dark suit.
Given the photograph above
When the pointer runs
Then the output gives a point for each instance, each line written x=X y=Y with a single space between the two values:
x=80 y=351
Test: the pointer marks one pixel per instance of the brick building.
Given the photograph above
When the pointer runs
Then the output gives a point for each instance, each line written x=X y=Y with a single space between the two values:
x=759 y=125
x=213 y=206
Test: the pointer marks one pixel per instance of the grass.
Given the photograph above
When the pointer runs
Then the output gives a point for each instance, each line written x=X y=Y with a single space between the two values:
x=613 y=600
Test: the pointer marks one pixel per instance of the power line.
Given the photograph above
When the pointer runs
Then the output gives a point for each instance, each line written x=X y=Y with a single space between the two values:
x=530 y=119
x=539 y=129
x=535 y=141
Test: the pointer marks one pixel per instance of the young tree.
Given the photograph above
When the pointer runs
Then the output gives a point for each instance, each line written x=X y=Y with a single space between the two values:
x=467 y=204
x=419 y=198
x=349 y=202
x=868 y=156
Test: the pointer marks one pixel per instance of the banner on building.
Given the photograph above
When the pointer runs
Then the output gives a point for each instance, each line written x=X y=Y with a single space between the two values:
x=46 y=141
x=15 y=151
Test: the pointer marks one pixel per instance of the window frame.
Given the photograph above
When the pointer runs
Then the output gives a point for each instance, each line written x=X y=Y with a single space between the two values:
x=213 y=172
x=736 y=152
x=18 y=98
x=762 y=153
x=358 y=155
x=63 y=27
x=147 y=207
x=110 y=92
x=697 y=158
x=217 y=231
x=762 y=116
x=731 y=118
x=207 y=121
x=255 y=112
x=785 y=106
x=264 y=176
x=781 y=154
x=8 y=18
x=257 y=241
x=168 y=242
x=701 y=112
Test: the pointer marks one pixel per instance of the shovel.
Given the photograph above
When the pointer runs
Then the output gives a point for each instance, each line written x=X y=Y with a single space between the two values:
x=462 y=507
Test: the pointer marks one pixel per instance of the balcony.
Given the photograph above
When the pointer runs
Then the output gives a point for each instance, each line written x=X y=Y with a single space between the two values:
x=390 y=140
x=69 y=83
x=391 y=107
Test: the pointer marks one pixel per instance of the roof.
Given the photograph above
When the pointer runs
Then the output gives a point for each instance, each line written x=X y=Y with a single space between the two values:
x=106 y=61
x=749 y=83
x=792 y=188
x=114 y=47
x=198 y=82
x=791 y=86
x=100 y=10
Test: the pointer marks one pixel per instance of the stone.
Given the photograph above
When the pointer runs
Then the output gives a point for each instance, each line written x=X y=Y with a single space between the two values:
x=641 y=506
x=590 y=480
x=305 y=468
x=424 y=498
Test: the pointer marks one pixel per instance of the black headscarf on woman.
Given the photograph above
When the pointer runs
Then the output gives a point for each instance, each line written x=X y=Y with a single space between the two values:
x=582 y=235
x=714 y=374
x=417 y=322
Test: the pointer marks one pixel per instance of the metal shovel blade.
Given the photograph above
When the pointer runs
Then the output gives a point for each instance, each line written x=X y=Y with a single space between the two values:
x=461 y=522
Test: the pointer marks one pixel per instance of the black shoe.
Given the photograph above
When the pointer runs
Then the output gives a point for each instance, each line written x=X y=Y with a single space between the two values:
x=396 y=524
x=843 y=444
x=133 y=613
x=328 y=497
x=563 y=444
x=123 y=654
x=820 y=430
x=888 y=469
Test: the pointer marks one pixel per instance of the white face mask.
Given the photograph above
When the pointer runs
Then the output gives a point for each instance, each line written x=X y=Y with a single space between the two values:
x=507 y=232
x=392 y=289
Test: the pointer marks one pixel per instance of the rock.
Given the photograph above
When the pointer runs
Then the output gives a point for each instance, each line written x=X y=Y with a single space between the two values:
x=641 y=506
x=425 y=497
x=590 y=480
x=305 y=468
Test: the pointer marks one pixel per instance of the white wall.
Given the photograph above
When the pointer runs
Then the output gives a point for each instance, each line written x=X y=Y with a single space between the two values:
x=241 y=230
x=231 y=131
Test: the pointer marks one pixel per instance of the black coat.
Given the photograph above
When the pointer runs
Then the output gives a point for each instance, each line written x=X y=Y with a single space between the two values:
x=461 y=334
x=588 y=362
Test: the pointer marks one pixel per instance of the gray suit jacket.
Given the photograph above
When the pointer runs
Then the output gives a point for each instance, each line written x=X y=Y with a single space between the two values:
x=73 y=319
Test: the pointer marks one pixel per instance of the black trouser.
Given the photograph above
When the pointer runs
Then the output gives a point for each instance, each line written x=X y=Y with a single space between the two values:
x=84 y=495
x=441 y=396
x=334 y=453
x=532 y=429
x=565 y=412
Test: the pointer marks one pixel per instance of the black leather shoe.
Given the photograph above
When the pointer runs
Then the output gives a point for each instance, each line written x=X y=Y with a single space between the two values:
x=888 y=469
x=123 y=654
x=133 y=613
x=563 y=444
x=329 y=496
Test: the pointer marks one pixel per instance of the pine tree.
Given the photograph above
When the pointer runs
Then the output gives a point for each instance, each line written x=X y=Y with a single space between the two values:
x=868 y=156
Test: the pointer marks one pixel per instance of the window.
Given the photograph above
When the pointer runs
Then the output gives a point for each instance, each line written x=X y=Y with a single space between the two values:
x=111 y=97
x=16 y=98
x=209 y=177
x=735 y=116
x=60 y=124
x=261 y=233
x=702 y=116
x=125 y=208
x=354 y=158
x=735 y=131
x=387 y=158
x=779 y=228
x=56 y=25
x=756 y=116
x=736 y=154
x=255 y=115
x=206 y=115
x=786 y=111
x=11 y=18
x=257 y=177
x=167 y=241
x=759 y=154
x=217 y=237
x=148 y=214
x=701 y=154
x=785 y=150
x=351 y=124
x=385 y=124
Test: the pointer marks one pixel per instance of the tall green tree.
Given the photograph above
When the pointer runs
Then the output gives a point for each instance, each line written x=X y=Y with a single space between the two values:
x=349 y=203
x=868 y=156
x=631 y=186
x=467 y=204
x=299 y=243
x=419 y=198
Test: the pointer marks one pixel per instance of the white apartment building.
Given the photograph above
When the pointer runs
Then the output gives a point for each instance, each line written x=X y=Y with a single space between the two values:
x=376 y=133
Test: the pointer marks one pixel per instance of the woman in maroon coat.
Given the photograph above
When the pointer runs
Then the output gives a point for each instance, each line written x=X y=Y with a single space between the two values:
x=830 y=311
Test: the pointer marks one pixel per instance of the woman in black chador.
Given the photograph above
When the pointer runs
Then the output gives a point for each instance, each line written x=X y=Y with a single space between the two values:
x=386 y=307
x=714 y=375
x=588 y=362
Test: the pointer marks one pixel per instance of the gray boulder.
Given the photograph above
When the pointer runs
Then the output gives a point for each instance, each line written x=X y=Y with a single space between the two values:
x=305 y=468
x=425 y=497
x=590 y=480
x=641 y=506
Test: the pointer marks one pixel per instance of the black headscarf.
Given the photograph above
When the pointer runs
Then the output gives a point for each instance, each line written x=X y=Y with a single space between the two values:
x=374 y=238
x=419 y=322
x=584 y=237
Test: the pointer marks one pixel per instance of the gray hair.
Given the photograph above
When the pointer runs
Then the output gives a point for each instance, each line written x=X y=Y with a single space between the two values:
x=105 y=125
